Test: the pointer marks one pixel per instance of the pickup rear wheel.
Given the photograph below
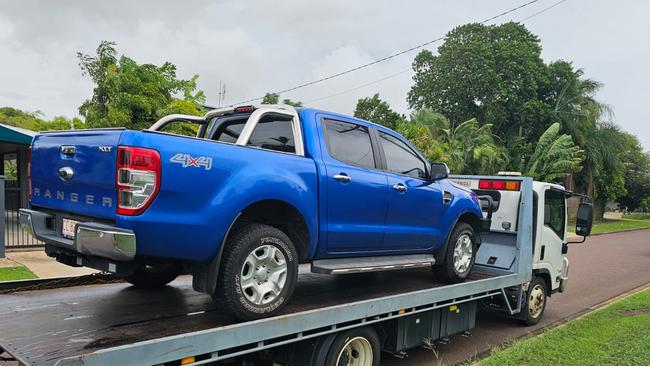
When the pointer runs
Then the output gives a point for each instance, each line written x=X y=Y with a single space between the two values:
x=459 y=256
x=157 y=276
x=259 y=271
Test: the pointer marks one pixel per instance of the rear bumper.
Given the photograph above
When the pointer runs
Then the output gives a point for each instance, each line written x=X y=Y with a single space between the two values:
x=92 y=239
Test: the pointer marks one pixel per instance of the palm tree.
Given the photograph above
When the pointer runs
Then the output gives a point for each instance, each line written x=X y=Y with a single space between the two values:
x=554 y=156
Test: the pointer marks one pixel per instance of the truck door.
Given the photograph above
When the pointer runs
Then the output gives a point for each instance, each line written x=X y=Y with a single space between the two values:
x=552 y=233
x=415 y=205
x=356 y=189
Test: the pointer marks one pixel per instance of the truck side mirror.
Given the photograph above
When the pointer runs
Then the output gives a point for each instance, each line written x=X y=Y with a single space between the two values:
x=584 y=219
x=439 y=171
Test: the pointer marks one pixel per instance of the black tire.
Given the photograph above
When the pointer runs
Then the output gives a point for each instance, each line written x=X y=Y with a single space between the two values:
x=537 y=294
x=446 y=270
x=365 y=335
x=157 y=276
x=238 y=247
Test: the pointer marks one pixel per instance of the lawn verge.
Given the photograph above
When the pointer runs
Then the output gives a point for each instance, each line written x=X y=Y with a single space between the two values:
x=616 y=334
x=16 y=273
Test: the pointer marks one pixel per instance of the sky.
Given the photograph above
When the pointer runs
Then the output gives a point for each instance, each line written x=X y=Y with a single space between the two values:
x=254 y=47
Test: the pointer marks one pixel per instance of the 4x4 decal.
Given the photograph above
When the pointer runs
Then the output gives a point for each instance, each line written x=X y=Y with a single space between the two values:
x=187 y=160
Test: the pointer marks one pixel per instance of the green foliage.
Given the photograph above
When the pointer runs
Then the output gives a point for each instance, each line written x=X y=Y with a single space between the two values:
x=492 y=73
x=636 y=174
x=468 y=148
x=34 y=120
x=554 y=156
x=378 y=111
x=274 y=98
x=616 y=335
x=132 y=95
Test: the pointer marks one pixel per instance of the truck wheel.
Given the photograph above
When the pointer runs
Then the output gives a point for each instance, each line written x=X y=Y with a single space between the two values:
x=533 y=309
x=355 y=347
x=258 y=273
x=460 y=254
x=154 y=276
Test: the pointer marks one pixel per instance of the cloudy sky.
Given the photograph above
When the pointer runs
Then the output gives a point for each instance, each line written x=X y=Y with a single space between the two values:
x=259 y=46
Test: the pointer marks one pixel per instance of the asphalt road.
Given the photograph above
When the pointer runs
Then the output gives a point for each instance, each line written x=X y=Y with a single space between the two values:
x=603 y=267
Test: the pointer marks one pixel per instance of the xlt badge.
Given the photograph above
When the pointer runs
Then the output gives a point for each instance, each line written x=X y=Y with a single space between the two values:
x=105 y=148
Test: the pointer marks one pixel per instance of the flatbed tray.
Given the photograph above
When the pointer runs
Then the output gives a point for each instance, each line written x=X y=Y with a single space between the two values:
x=44 y=326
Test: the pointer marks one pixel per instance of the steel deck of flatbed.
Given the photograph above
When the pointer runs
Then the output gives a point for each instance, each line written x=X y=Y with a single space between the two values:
x=42 y=327
x=118 y=324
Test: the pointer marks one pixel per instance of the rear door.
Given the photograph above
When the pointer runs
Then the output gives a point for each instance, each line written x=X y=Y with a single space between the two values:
x=356 y=189
x=75 y=172
x=415 y=205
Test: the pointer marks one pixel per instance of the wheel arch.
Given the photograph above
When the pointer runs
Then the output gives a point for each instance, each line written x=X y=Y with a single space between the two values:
x=545 y=275
x=467 y=217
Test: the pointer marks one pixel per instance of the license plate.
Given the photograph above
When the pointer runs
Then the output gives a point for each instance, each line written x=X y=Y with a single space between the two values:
x=68 y=228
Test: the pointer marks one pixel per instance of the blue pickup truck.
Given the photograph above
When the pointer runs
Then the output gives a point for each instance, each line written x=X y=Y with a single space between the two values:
x=257 y=191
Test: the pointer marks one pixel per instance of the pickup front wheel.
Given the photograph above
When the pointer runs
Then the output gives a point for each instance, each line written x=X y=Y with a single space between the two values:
x=259 y=271
x=460 y=254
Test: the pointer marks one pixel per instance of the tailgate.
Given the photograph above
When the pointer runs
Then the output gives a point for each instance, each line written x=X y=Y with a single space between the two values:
x=74 y=171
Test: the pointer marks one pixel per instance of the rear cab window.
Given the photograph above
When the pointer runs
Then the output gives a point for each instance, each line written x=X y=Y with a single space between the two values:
x=349 y=143
x=273 y=133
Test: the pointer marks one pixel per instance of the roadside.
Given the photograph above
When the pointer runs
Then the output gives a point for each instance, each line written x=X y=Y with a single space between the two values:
x=614 y=222
x=38 y=264
x=620 y=331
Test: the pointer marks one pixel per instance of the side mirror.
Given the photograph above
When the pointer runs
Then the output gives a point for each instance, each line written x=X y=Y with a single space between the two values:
x=584 y=219
x=439 y=171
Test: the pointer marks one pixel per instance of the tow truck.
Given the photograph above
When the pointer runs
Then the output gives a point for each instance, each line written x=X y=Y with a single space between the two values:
x=348 y=319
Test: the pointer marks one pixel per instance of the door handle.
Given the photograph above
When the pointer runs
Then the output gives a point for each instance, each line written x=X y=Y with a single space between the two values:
x=343 y=178
x=400 y=187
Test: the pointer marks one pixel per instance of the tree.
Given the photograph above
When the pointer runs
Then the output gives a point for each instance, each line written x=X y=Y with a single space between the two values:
x=132 y=95
x=488 y=72
x=554 y=157
x=34 y=120
x=467 y=148
x=636 y=174
x=274 y=98
x=378 y=111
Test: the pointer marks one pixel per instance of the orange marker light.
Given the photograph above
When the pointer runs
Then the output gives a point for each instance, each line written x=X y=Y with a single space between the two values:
x=188 y=360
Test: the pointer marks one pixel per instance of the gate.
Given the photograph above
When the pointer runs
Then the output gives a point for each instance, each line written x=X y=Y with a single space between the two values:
x=15 y=237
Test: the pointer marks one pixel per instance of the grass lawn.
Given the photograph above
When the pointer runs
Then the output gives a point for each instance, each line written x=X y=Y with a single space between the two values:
x=637 y=216
x=16 y=273
x=611 y=226
x=616 y=335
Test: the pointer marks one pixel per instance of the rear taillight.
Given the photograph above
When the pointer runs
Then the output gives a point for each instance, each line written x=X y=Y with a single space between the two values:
x=501 y=185
x=29 y=171
x=138 y=179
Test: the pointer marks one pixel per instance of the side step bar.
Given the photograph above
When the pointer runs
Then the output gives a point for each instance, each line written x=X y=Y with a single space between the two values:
x=371 y=264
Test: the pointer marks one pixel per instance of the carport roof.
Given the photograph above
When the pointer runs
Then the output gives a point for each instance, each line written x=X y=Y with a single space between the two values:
x=16 y=135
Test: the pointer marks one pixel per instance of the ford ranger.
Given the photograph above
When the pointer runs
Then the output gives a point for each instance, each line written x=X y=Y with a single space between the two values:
x=257 y=191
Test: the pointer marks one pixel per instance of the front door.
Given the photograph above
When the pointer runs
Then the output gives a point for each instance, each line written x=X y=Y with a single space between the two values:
x=415 y=204
x=553 y=229
x=356 y=190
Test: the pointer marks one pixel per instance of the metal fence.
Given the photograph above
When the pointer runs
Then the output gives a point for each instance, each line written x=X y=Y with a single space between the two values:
x=15 y=237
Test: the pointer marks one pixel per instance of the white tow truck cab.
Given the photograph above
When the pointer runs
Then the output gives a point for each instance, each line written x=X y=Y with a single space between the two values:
x=549 y=233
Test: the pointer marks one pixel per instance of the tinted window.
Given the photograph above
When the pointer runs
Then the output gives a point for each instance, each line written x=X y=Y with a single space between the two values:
x=554 y=211
x=228 y=130
x=400 y=158
x=273 y=133
x=349 y=143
